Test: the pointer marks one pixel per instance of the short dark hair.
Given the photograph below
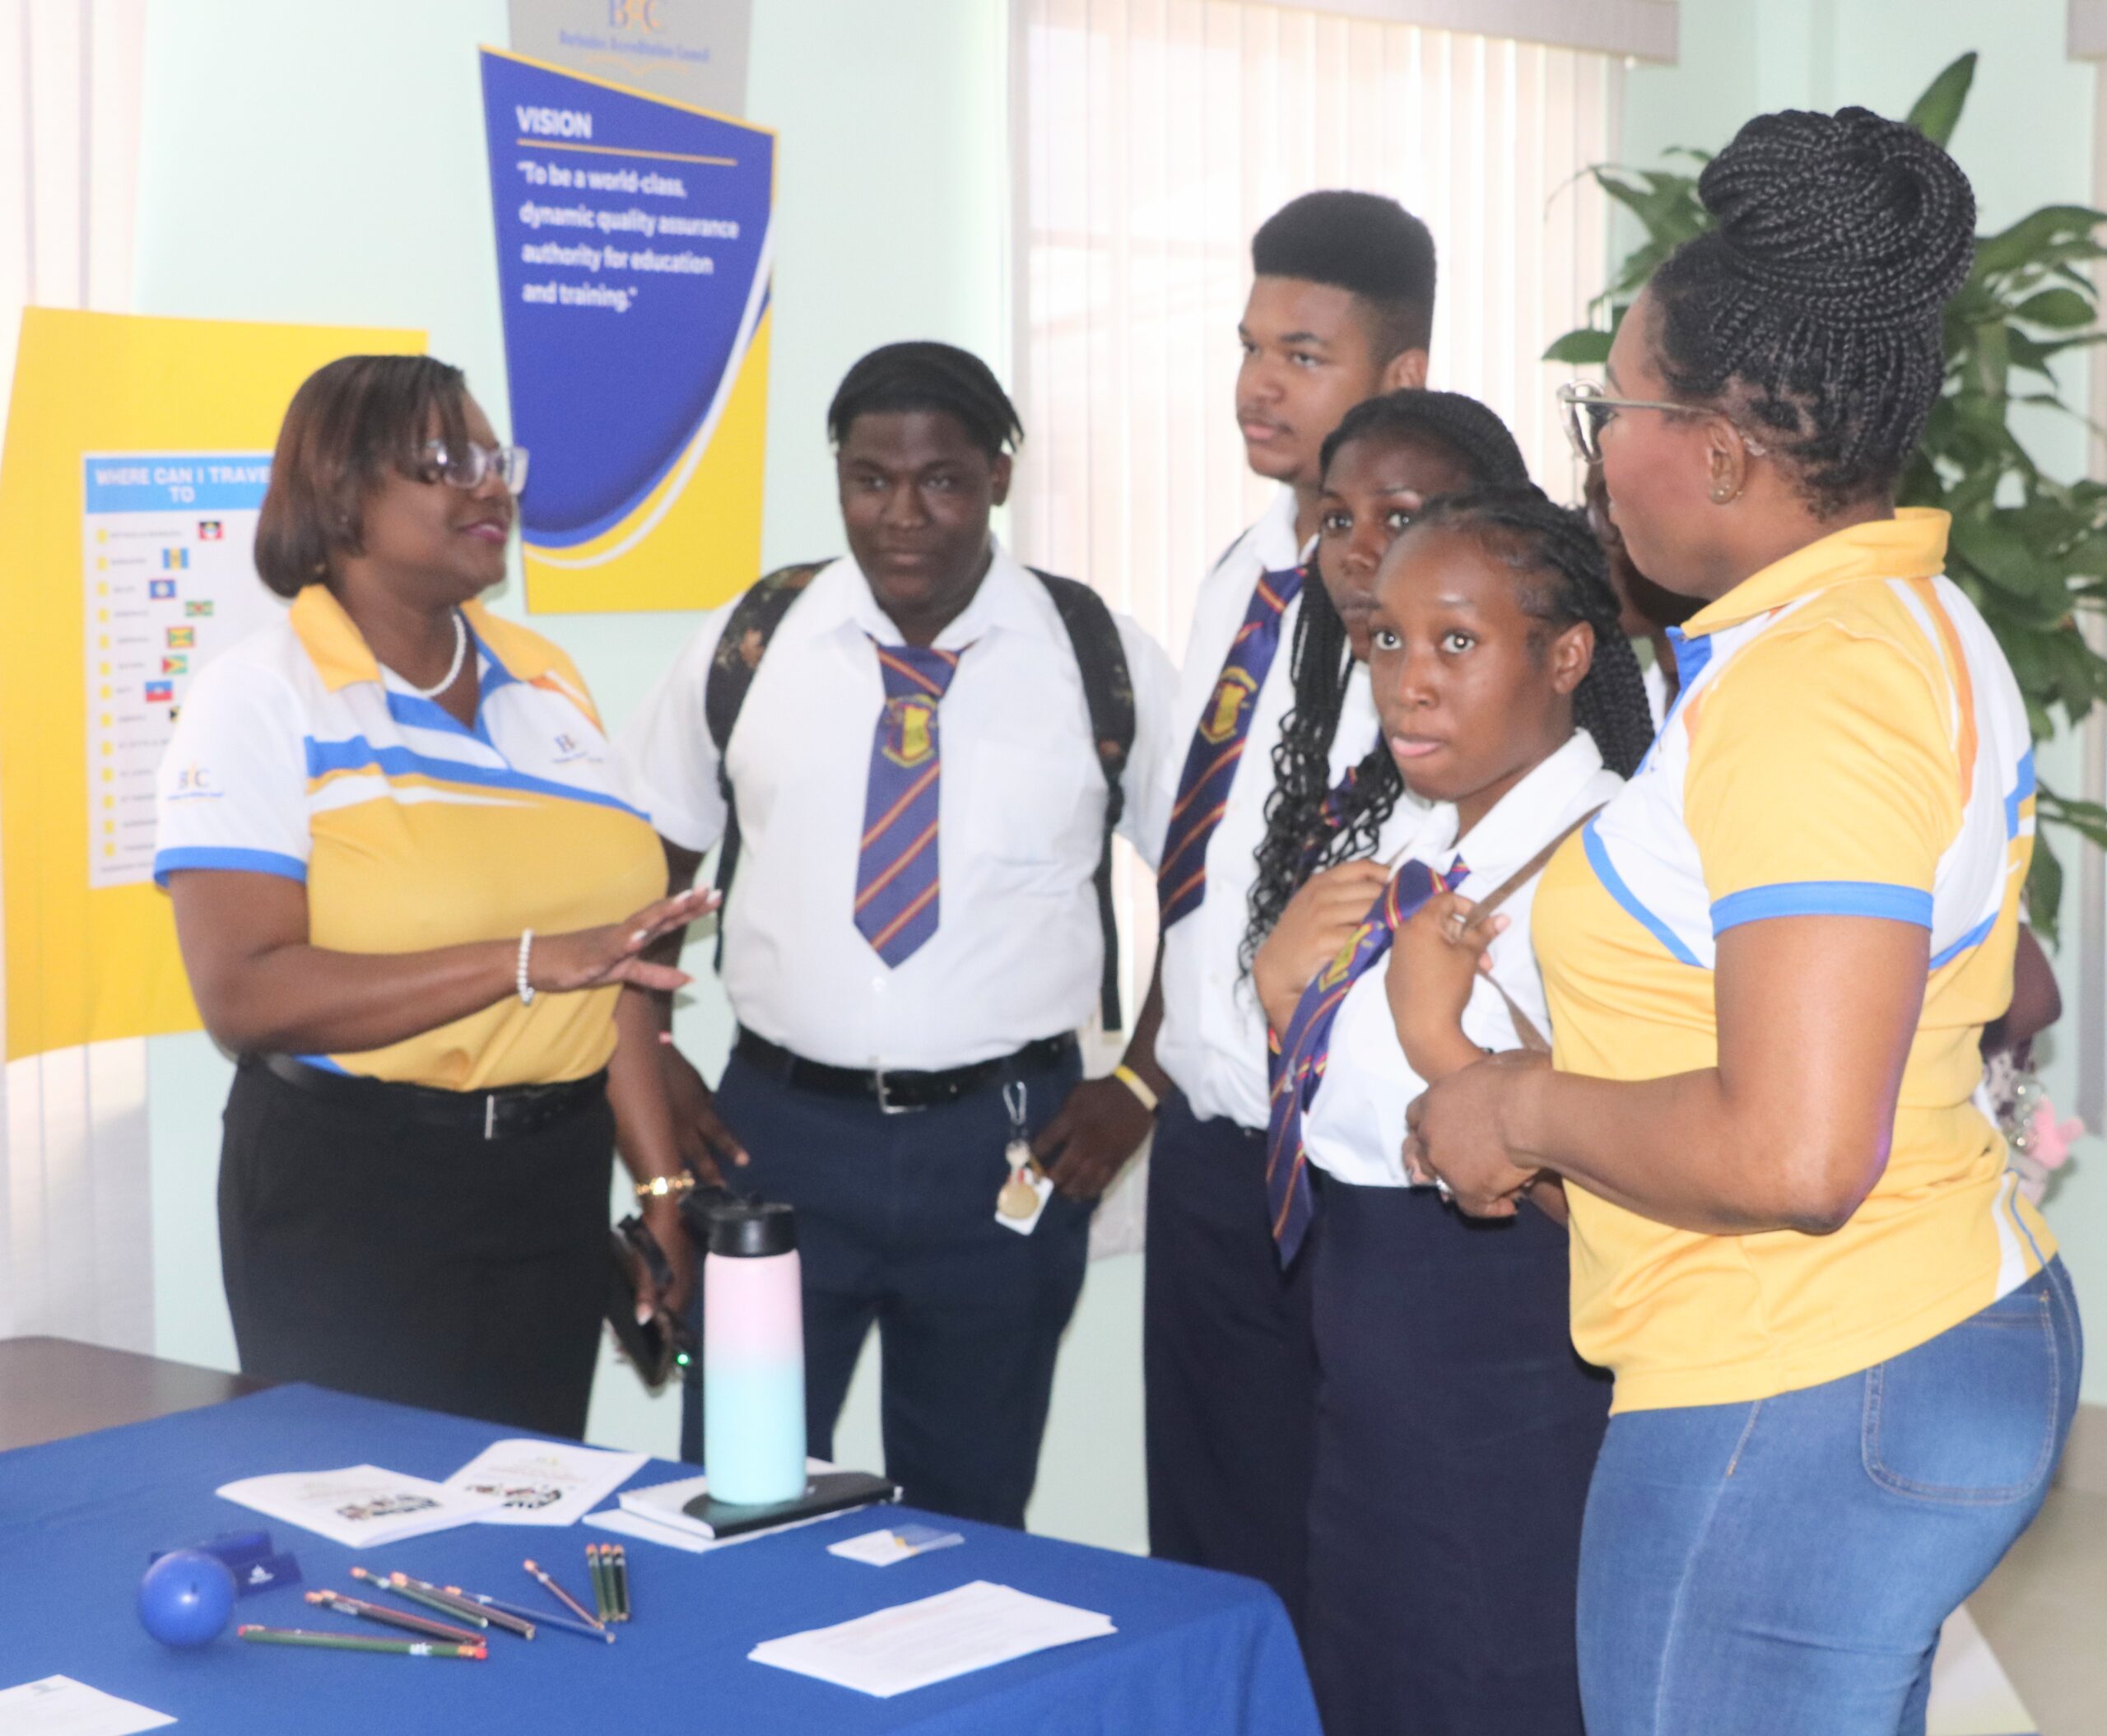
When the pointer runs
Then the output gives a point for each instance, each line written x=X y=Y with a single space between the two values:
x=1364 y=244
x=1813 y=305
x=351 y=420
x=1477 y=437
x=924 y=375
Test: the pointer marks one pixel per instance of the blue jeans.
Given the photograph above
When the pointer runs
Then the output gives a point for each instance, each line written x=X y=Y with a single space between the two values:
x=1748 y=1569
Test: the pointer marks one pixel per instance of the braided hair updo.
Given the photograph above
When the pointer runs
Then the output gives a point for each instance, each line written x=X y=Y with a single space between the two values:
x=1522 y=528
x=1308 y=825
x=1813 y=306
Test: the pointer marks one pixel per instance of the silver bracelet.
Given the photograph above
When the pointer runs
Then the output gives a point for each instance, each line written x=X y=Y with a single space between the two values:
x=519 y=973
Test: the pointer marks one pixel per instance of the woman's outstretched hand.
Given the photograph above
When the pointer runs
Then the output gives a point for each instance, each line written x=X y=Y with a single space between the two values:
x=599 y=958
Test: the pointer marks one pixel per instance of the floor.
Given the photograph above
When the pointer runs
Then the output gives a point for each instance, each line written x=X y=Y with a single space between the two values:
x=2044 y=1614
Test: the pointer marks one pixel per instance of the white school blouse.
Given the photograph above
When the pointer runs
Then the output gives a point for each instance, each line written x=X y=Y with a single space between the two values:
x=1017 y=952
x=1355 y=1130
x=1213 y=1039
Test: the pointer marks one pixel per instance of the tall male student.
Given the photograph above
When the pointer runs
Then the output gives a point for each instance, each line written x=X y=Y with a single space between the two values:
x=918 y=747
x=1341 y=307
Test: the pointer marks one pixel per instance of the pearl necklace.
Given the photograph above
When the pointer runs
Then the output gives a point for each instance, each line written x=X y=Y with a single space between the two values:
x=453 y=669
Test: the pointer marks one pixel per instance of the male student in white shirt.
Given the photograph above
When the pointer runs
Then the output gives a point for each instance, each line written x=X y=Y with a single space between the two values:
x=1341 y=310
x=918 y=773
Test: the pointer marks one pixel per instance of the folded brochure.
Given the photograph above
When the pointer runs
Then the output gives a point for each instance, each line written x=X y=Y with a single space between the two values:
x=361 y=1505
x=543 y=1482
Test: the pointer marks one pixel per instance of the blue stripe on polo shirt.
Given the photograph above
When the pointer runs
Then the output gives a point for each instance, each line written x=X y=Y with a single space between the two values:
x=239 y=861
x=358 y=754
x=1874 y=898
x=1599 y=859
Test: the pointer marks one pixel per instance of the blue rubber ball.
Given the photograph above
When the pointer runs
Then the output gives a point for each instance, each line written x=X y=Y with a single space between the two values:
x=186 y=1598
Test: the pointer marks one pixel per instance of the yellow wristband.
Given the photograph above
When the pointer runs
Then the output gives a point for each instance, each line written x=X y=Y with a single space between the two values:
x=663 y=1186
x=1137 y=1084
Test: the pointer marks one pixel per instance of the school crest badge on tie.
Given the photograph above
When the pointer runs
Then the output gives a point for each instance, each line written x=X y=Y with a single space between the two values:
x=1226 y=711
x=907 y=743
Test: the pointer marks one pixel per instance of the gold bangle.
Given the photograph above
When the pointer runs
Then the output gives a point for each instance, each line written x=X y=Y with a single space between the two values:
x=664 y=1187
x=1137 y=1084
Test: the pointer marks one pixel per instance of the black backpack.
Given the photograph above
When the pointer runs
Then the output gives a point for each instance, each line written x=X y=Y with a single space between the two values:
x=1107 y=691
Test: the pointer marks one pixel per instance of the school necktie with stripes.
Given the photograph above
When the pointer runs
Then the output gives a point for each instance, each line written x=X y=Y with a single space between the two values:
x=1181 y=883
x=896 y=889
x=1331 y=818
x=1305 y=1046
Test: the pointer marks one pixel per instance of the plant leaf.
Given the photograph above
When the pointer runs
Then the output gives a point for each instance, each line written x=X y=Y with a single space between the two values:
x=1586 y=348
x=2062 y=309
x=1937 y=111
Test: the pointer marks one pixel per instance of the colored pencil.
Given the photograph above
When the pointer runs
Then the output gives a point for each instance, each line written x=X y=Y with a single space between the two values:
x=599 y=1580
x=358 y=1642
x=568 y=1601
x=431 y=1630
x=622 y=1579
x=520 y=1622
x=498 y=1606
x=396 y=1583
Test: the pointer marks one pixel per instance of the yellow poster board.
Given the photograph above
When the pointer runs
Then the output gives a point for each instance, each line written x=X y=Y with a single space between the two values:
x=190 y=406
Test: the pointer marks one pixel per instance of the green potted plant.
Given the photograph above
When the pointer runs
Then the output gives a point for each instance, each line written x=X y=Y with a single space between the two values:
x=2029 y=548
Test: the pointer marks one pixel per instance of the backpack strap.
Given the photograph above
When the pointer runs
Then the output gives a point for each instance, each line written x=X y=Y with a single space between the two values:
x=754 y=619
x=1109 y=692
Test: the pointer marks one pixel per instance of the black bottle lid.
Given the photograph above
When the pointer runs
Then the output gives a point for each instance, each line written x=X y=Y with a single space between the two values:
x=752 y=1229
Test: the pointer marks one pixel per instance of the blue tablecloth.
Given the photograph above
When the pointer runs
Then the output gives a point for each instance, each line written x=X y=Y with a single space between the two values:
x=1196 y=1651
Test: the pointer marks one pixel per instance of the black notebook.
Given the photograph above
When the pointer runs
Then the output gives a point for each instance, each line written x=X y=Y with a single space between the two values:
x=831 y=1491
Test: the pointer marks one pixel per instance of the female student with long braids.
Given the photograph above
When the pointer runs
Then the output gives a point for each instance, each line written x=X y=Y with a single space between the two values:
x=1846 y=1355
x=1455 y=1426
x=1388 y=457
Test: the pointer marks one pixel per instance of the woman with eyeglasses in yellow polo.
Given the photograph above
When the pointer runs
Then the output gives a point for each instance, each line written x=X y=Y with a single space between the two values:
x=1846 y=1356
x=413 y=902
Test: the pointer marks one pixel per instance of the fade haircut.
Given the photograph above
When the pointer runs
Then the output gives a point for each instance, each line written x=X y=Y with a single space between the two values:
x=1366 y=244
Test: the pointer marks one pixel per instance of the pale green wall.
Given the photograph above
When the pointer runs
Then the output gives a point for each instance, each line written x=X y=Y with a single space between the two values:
x=2025 y=140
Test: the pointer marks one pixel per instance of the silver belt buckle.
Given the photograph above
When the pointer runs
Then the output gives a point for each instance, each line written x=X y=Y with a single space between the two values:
x=490 y=1115
x=886 y=1106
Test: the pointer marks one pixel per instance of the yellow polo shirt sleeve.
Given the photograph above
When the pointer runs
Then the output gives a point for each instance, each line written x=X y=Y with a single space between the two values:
x=1832 y=798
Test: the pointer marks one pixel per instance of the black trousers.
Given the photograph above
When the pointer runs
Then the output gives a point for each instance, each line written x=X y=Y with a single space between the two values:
x=1226 y=1358
x=896 y=1229
x=366 y=1253
x=1456 y=1432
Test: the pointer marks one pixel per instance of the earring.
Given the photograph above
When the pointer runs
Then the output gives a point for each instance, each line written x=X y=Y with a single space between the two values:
x=1722 y=496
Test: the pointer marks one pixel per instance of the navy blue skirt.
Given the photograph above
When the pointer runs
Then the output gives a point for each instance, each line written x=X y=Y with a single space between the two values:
x=1456 y=1432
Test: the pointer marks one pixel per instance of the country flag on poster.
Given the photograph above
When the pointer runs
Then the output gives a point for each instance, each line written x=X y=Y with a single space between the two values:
x=182 y=639
x=160 y=590
x=175 y=666
x=208 y=530
x=194 y=611
x=160 y=692
x=173 y=560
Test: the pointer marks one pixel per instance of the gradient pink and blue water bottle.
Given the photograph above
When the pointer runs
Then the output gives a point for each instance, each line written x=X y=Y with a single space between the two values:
x=753 y=1354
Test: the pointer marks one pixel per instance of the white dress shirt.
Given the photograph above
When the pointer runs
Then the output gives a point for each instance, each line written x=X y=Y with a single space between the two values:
x=1017 y=954
x=1355 y=1130
x=1213 y=1039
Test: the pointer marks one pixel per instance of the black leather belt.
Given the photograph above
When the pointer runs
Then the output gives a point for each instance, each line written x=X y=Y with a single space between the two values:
x=897 y=1093
x=491 y=1115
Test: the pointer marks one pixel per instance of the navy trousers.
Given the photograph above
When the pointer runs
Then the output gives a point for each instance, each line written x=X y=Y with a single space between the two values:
x=1456 y=1432
x=896 y=1228
x=1227 y=1360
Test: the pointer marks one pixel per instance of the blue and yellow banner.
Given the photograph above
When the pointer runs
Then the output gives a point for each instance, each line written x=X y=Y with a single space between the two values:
x=634 y=248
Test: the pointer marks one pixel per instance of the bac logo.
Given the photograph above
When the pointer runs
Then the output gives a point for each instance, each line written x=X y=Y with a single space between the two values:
x=1226 y=711
x=193 y=780
x=643 y=15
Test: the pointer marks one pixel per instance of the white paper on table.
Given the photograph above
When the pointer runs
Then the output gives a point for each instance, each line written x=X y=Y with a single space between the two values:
x=58 y=1706
x=360 y=1505
x=912 y=1646
x=543 y=1482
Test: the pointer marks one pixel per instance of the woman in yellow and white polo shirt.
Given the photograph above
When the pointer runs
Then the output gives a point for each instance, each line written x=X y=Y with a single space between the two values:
x=1846 y=1356
x=409 y=895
